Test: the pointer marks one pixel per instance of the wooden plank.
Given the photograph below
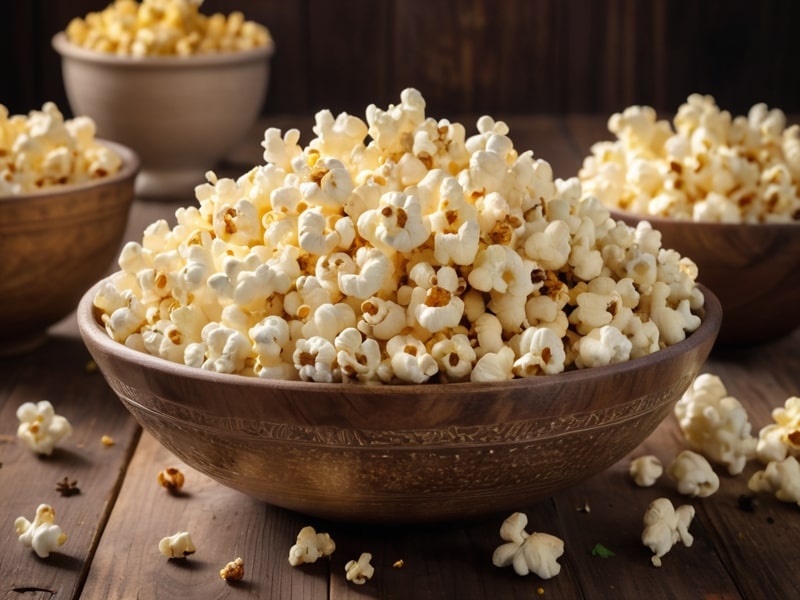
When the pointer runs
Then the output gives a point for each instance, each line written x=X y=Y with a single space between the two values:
x=56 y=372
x=445 y=560
x=224 y=524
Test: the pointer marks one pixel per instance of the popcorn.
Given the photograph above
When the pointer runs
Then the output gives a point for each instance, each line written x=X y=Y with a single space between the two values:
x=310 y=546
x=415 y=255
x=164 y=28
x=178 y=545
x=360 y=571
x=41 y=150
x=42 y=535
x=709 y=166
x=781 y=438
x=40 y=428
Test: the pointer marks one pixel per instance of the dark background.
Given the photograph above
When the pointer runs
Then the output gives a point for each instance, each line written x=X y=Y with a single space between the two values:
x=474 y=56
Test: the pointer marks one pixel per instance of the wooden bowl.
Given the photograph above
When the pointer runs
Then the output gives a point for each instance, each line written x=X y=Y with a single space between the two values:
x=180 y=114
x=399 y=453
x=56 y=243
x=753 y=269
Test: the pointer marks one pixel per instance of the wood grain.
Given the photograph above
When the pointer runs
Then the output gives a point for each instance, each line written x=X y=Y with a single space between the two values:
x=520 y=56
x=57 y=372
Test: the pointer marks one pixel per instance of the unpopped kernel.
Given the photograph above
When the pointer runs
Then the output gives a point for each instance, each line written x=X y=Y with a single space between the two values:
x=42 y=149
x=398 y=250
x=165 y=28
x=709 y=167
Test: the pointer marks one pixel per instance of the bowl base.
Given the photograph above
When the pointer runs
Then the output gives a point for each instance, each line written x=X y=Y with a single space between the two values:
x=168 y=184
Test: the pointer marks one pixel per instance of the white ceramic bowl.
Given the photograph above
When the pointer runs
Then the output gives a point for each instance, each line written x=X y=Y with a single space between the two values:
x=180 y=114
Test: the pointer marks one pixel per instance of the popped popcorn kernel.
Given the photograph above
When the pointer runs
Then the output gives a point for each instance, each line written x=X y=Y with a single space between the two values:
x=233 y=571
x=706 y=166
x=42 y=150
x=164 y=28
x=171 y=479
x=107 y=440
x=40 y=428
x=398 y=250
x=179 y=545
x=42 y=535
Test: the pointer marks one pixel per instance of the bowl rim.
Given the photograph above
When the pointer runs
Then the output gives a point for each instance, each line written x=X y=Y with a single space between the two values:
x=131 y=164
x=67 y=49
x=93 y=332
x=656 y=221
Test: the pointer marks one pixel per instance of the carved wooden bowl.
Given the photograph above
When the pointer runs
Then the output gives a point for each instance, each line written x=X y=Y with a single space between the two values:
x=395 y=453
x=56 y=243
x=753 y=269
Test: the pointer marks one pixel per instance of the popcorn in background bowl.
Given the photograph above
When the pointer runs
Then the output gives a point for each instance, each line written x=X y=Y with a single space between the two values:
x=42 y=149
x=709 y=167
x=398 y=250
x=722 y=191
x=164 y=28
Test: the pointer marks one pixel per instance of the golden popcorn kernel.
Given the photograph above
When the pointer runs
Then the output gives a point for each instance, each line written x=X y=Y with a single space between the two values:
x=233 y=571
x=171 y=479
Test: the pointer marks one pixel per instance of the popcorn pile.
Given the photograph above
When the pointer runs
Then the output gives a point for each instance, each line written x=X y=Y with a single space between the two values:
x=712 y=167
x=422 y=255
x=165 y=28
x=41 y=149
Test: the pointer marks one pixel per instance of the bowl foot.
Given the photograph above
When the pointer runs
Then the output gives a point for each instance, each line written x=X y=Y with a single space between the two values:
x=168 y=184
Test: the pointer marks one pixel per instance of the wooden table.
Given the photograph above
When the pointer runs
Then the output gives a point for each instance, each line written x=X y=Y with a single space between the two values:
x=115 y=523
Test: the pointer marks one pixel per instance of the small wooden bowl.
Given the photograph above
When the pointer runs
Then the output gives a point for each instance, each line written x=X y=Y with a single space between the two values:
x=396 y=453
x=56 y=243
x=753 y=269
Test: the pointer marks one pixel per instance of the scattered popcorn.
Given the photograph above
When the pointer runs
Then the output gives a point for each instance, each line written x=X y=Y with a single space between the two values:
x=107 y=440
x=171 y=479
x=781 y=478
x=781 y=438
x=710 y=167
x=535 y=552
x=310 y=546
x=359 y=571
x=43 y=535
x=398 y=250
x=233 y=571
x=41 y=150
x=40 y=427
x=664 y=526
x=693 y=474
x=716 y=424
x=164 y=28
x=178 y=545
x=399 y=563
x=645 y=470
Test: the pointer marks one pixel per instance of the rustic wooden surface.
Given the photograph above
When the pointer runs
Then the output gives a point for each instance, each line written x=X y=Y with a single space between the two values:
x=523 y=56
x=115 y=523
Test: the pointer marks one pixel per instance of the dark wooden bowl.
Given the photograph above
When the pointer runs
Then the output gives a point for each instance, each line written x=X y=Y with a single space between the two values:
x=753 y=269
x=56 y=243
x=398 y=453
